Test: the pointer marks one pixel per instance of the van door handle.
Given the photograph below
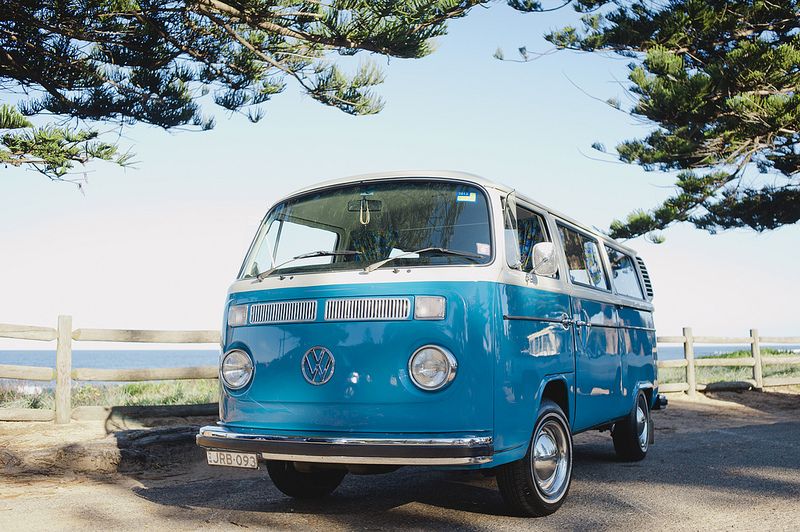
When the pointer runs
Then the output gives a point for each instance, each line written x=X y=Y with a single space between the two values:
x=566 y=321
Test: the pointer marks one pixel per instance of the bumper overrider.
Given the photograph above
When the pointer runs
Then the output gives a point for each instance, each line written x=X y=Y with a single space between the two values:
x=346 y=450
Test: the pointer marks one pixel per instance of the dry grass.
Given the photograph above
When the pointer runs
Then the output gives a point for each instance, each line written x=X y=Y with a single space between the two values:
x=129 y=394
x=706 y=374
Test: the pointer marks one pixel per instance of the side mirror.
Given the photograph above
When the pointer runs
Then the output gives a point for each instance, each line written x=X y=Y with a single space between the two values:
x=544 y=259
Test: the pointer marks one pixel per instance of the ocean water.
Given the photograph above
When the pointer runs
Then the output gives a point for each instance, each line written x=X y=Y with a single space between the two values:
x=116 y=359
x=675 y=352
x=108 y=359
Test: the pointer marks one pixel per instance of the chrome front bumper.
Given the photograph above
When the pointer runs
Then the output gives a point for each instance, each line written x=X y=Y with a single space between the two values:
x=371 y=451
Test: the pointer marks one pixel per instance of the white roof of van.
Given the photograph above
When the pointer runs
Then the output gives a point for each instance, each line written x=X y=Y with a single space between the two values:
x=461 y=176
x=444 y=174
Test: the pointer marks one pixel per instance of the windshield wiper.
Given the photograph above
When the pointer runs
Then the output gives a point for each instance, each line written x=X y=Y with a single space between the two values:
x=321 y=253
x=442 y=251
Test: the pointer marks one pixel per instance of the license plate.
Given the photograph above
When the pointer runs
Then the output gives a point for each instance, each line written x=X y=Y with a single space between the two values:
x=224 y=458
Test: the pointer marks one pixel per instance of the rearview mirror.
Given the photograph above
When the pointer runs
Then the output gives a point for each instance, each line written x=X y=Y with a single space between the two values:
x=364 y=204
x=544 y=259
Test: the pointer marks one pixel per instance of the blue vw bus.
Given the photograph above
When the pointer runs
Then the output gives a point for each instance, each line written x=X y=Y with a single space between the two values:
x=431 y=319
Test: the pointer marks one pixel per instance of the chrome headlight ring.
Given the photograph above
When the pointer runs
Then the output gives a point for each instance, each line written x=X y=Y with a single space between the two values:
x=432 y=367
x=236 y=369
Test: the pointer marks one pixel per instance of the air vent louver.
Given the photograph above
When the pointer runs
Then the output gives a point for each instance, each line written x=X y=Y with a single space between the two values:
x=648 y=285
x=283 y=312
x=373 y=308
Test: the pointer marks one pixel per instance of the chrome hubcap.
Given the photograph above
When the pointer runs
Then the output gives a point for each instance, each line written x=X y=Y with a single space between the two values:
x=642 y=426
x=551 y=460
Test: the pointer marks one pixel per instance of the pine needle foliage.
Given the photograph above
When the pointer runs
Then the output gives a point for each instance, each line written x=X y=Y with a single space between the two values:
x=50 y=149
x=719 y=79
x=153 y=61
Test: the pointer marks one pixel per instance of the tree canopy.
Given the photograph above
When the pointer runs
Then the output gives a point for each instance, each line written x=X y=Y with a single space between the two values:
x=155 y=61
x=719 y=79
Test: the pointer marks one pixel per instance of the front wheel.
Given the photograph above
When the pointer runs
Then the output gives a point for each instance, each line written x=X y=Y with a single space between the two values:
x=538 y=484
x=302 y=484
x=632 y=434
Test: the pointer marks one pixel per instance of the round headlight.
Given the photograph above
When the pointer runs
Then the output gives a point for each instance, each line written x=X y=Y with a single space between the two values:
x=431 y=367
x=236 y=369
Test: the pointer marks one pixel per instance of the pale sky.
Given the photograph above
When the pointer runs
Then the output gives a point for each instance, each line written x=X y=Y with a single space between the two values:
x=157 y=246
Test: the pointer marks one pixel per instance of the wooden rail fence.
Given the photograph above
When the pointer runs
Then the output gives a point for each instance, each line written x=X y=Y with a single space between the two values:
x=64 y=374
x=755 y=360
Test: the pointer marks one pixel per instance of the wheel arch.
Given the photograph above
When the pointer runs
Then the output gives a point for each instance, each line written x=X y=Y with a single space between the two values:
x=557 y=389
x=649 y=391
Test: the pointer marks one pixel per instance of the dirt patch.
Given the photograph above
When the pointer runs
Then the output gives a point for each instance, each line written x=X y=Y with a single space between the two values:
x=102 y=446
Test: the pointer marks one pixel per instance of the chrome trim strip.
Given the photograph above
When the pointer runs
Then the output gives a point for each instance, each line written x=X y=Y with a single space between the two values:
x=533 y=318
x=637 y=328
x=218 y=432
x=617 y=326
x=561 y=322
x=376 y=460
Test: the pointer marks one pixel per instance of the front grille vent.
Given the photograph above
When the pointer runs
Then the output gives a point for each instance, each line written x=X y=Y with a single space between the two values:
x=372 y=308
x=283 y=312
x=648 y=285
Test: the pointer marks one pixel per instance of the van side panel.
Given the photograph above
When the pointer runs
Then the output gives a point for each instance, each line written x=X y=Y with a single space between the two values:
x=637 y=346
x=599 y=395
x=532 y=347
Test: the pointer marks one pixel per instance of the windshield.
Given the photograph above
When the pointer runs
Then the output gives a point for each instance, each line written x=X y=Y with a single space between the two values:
x=367 y=222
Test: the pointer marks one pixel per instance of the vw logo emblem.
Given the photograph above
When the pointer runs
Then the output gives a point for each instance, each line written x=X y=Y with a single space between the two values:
x=317 y=365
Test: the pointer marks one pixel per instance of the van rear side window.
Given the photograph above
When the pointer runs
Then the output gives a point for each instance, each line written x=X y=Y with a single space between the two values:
x=623 y=274
x=583 y=259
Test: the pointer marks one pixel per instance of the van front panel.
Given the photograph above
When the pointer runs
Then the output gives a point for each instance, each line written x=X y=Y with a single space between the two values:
x=370 y=390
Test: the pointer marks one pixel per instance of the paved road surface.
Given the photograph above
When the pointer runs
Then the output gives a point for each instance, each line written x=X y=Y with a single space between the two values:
x=716 y=465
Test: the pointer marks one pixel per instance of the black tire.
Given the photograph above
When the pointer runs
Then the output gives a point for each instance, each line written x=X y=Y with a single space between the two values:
x=632 y=435
x=304 y=485
x=526 y=488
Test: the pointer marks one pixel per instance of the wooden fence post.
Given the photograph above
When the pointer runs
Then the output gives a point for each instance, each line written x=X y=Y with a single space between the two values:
x=688 y=352
x=64 y=370
x=755 y=349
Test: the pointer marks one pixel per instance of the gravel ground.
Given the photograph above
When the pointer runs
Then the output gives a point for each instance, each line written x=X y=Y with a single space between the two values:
x=731 y=461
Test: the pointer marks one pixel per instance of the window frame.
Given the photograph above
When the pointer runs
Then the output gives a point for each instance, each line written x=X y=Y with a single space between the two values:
x=545 y=227
x=601 y=253
x=635 y=265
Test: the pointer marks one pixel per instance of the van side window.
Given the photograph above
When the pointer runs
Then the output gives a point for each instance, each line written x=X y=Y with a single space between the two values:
x=530 y=231
x=623 y=274
x=583 y=259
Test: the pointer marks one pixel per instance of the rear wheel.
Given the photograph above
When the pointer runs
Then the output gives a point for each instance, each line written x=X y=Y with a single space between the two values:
x=304 y=484
x=538 y=484
x=632 y=434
